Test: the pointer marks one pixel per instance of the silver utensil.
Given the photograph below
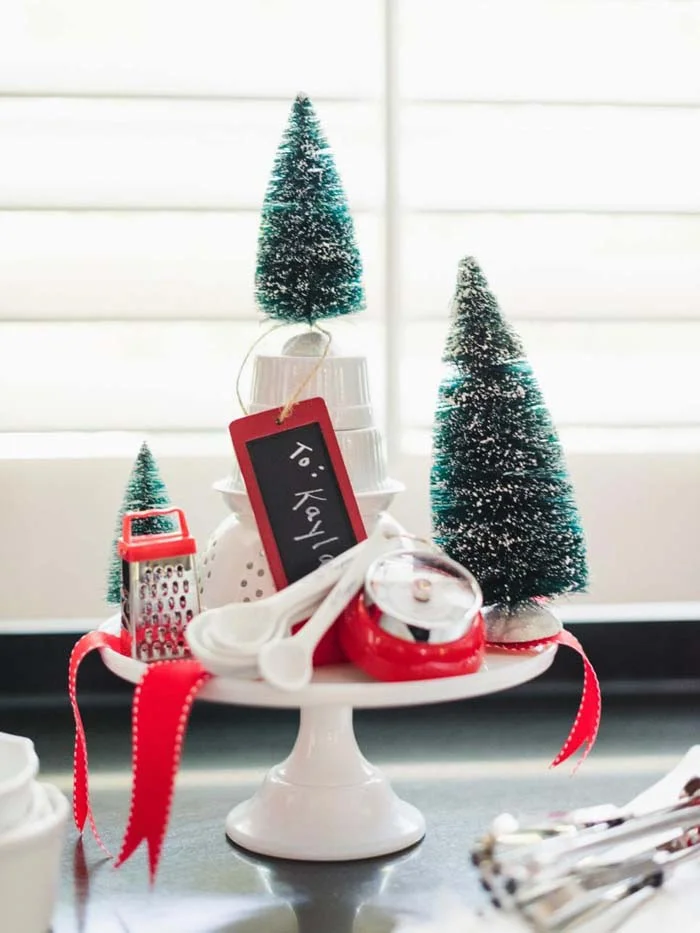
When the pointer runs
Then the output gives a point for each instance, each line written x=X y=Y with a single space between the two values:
x=587 y=870
x=590 y=892
x=562 y=850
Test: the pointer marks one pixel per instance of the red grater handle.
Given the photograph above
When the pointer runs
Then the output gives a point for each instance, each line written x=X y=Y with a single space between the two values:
x=130 y=517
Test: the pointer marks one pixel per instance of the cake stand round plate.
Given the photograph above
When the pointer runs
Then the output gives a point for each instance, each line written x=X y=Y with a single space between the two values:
x=325 y=801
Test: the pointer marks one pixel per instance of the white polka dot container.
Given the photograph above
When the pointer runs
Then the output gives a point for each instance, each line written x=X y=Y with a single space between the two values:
x=233 y=567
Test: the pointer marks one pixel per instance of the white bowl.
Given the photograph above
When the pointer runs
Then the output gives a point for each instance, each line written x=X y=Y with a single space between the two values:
x=30 y=857
x=341 y=380
x=19 y=766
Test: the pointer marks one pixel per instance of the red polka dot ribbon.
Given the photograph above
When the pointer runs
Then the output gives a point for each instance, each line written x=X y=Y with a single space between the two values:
x=82 y=811
x=584 y=730
x=162 y=702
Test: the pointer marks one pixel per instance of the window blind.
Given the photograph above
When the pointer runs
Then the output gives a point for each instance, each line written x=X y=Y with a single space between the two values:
x=136 y=144
x=556 y=140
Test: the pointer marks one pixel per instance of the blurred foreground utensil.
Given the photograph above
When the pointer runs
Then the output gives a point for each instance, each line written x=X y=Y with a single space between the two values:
x=589 y=870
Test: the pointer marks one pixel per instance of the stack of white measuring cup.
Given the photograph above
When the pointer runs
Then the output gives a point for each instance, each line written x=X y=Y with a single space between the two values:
x=234 y=567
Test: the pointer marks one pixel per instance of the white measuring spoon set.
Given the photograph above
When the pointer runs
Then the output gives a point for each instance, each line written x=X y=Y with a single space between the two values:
x=247 y=639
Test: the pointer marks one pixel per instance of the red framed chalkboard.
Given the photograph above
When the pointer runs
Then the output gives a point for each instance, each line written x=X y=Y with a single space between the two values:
x=298 y=487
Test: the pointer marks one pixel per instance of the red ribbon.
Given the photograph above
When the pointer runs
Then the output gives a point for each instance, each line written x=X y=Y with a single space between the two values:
x=162 y=703
x=161 y=708
x=82 y=811
x=587 y=721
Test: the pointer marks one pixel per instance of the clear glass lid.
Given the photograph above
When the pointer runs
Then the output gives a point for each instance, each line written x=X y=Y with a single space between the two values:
x=423 y=588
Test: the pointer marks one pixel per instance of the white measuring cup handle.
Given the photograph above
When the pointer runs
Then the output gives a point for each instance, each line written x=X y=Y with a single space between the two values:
x=306 y=590
x=287 y=663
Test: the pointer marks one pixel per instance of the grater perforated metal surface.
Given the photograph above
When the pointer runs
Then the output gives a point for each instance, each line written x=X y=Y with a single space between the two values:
x=160 y=589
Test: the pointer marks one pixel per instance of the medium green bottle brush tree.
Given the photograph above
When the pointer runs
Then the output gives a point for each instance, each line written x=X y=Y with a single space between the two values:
x=502 y=502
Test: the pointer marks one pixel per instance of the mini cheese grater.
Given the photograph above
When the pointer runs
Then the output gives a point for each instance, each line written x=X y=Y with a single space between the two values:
x=160 y=589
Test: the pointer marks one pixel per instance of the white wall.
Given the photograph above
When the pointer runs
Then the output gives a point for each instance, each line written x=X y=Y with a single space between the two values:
x=641 y=513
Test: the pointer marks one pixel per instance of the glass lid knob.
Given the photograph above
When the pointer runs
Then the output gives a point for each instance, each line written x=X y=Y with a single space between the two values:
x=423 y=588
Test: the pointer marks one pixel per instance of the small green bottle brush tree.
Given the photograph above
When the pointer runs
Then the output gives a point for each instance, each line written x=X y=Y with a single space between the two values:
x=308 y=264
x=502 y=502
x=144 y=490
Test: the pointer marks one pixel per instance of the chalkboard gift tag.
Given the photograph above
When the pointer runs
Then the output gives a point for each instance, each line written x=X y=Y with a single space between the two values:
x=298 y=488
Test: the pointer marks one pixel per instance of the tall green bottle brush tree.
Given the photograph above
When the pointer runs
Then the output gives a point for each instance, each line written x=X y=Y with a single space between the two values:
x=308 y=264
x=144 y=490
x=502 y=501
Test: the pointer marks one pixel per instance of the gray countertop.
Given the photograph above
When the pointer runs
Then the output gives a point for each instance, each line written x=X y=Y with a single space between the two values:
x=461 y=764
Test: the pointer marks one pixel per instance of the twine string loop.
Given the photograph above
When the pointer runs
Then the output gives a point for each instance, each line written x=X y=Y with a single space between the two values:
x=288 y=406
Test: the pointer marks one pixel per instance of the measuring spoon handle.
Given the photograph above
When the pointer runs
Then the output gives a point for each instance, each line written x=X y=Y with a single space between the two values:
x=309 y=588
x=363 y=555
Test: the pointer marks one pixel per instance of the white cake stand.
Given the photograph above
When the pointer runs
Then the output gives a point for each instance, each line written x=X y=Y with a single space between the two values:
x=326 y=802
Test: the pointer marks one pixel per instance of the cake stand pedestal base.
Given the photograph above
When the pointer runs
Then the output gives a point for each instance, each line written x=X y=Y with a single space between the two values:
x=325 y=802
